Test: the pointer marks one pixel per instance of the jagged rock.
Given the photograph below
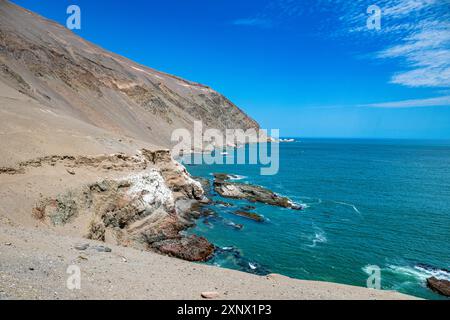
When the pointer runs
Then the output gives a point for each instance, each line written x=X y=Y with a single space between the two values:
x=205 y=183
x=65 y=208
x=141 y=210
x=192 y=248
x=175 y=175
x=222 y=176
x=97 y=230
x=252 y=193
x=440 y=286
x=249 y=215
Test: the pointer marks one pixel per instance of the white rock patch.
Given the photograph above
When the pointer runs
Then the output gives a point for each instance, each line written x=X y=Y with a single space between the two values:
x=153 y=189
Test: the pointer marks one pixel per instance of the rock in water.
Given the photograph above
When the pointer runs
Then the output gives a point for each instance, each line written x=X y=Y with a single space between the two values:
x=251 y=193
x=439 y=285
x=221 y=177
x=223 y=204
x=249 y=215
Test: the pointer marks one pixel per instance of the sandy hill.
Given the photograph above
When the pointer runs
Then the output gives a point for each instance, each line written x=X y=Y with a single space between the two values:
x=92 y=89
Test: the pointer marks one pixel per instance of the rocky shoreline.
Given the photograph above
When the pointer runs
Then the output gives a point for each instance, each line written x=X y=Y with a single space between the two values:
x=154 y=205
x=150 y=209
x=147 y=210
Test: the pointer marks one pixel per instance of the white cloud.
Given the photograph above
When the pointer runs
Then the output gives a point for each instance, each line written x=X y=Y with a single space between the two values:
x=254 y=22
x=426 y=54
x=401 y=8
x=431 y=102
x=414 y=32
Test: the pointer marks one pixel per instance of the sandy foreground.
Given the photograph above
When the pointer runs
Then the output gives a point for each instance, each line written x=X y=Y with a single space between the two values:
x=34 y=263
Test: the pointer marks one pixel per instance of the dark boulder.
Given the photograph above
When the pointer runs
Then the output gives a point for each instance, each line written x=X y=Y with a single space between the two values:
x=222 y=176
x=191 y=248
x=253 y=194
x=249 y=215
x=439 y=285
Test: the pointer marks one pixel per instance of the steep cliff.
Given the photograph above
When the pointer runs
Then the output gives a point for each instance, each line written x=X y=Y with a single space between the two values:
x=84 y=139
x=56 y=68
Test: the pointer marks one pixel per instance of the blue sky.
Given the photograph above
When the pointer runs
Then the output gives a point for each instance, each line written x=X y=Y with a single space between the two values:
x=311 y=68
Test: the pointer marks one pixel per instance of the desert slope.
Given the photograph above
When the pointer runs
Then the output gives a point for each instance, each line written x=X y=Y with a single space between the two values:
x=53 y=66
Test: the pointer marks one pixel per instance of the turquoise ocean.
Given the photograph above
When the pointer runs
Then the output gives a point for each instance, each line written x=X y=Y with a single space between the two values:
x=382 y=203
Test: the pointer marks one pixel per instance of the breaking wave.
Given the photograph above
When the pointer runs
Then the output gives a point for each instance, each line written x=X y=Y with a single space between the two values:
x=349 y=205
x=319 y=237
x=421 y=272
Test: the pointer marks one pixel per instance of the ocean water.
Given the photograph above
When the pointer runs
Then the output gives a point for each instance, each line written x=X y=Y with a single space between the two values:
x=368 y=202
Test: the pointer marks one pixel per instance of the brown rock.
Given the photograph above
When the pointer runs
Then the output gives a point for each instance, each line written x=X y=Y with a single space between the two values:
x=251 y=193
x=221 y=176
x=210 y=295
x=440 y=286
x=249 y=215
x=192 y=248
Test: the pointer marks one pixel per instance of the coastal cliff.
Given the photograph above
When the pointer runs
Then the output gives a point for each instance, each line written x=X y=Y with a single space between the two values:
x=86 y=177
x=94 y=127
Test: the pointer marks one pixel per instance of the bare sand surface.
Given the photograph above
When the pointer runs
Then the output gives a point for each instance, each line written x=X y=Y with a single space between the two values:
x=34 y=263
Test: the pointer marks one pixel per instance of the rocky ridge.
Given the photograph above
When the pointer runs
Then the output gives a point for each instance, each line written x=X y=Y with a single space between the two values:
x=147 y=210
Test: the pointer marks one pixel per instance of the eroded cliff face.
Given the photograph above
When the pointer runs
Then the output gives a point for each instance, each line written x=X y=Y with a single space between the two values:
x=58 y=69
x=147 y=209
x=84 y=134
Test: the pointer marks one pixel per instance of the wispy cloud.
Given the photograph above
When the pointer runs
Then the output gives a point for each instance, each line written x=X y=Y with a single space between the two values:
x=253 y=22
x=417 y=34
x=414 y=103
x=414 y=32
x=426 y=54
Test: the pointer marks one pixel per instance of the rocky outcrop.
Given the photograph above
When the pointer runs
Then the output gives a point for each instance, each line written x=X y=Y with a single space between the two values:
x=249 y=215
x=115 y=162
x=191 y=248
x=252 y=193
x=175 y=175
x=440 y=286
x=147 y=210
